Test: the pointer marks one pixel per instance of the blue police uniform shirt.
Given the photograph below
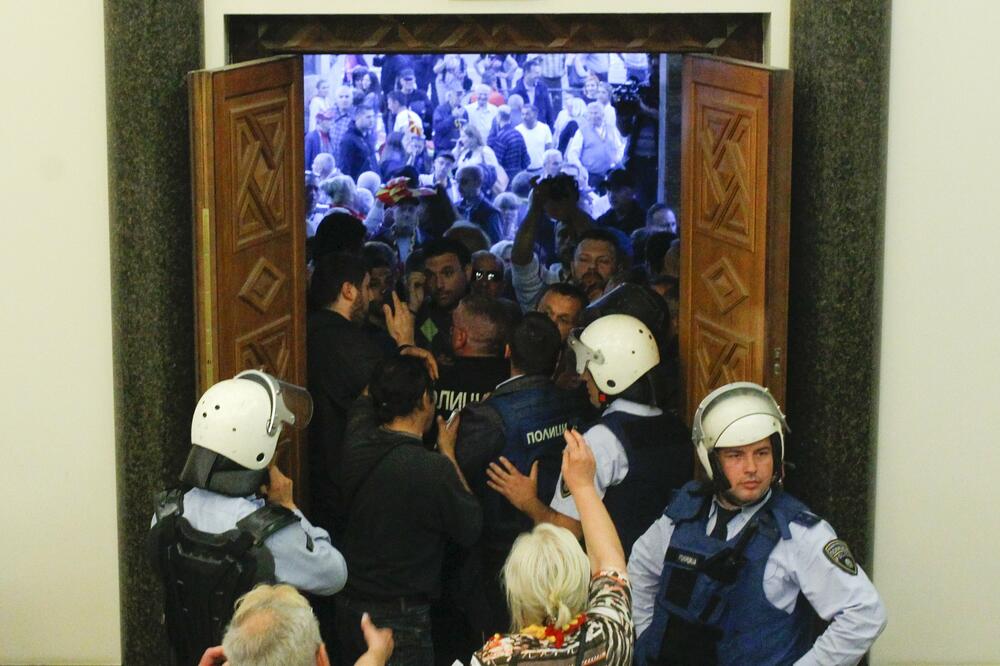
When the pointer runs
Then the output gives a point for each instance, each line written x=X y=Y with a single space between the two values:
x=303 y=555
x=849 y=602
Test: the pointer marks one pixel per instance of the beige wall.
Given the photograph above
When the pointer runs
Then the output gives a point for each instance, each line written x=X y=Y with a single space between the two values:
x=936 y=569
x=58 y=562
x=937 y=542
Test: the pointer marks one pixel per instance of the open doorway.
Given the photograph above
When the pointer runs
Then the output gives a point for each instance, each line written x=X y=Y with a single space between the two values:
x=610 y=122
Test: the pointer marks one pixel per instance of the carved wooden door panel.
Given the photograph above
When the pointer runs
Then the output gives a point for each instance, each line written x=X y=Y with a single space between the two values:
x=736 y=171
x=250 y=273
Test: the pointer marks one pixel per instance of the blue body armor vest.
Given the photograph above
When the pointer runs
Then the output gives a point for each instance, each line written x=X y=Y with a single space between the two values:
x=710 y=605
x=660 y=461
x=535 y=414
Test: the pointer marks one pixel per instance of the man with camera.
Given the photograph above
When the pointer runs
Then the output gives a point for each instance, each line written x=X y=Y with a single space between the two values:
x=589 y=256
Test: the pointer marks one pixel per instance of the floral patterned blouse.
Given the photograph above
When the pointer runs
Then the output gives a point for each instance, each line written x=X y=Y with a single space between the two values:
x=608 y=633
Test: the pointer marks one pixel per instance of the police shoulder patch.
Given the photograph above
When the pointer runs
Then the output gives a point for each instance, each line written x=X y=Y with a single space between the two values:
x=837 y=552
x=563 y=488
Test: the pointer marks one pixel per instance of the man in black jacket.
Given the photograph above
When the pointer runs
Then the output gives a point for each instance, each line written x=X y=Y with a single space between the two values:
x=404 y=503
x=342 y=355
x=356 y=153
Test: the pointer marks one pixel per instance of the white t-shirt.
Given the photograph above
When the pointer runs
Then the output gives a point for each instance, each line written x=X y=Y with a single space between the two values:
x=537 y=139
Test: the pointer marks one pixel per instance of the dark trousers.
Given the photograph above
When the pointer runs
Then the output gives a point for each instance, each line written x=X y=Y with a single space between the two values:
x=410 y=624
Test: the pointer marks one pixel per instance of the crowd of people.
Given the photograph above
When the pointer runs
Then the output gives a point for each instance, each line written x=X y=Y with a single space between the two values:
x=498 y=472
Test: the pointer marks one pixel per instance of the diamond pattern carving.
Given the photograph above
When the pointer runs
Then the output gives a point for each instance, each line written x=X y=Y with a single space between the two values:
x=262 y=285
x=724 y=285
x=260 y=139
x=268 y=348
x=264 y=35
x=721 y=356
x=724 y=144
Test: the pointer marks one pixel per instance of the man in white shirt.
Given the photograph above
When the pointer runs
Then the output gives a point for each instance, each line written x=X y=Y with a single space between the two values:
x=481 y=112
x=537 y=136
x=595 y=145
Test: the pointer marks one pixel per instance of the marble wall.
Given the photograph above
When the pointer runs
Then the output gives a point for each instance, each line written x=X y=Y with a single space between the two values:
x=840 y=55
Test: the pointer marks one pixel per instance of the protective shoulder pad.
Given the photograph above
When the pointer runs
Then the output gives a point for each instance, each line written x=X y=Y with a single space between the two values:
x=169 y=502
x=265 y=521
x=787 y=509
x=687 y=503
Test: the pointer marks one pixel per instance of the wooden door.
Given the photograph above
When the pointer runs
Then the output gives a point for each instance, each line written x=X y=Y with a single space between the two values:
x=249 y=230
x=735 y=178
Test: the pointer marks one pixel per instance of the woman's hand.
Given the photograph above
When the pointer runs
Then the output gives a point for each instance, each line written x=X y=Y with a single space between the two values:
x=578 y=465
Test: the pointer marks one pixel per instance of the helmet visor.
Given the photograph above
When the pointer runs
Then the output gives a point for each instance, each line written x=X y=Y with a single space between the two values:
x=291 y=404
x=583 y=354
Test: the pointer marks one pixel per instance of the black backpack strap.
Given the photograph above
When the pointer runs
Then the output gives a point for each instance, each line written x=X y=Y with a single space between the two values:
x=168 y=503
x=265 y=521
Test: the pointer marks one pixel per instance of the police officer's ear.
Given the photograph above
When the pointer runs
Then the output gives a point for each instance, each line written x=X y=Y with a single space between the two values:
x=506 y=352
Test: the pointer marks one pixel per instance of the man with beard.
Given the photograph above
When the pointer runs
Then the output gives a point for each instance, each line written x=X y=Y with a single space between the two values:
x=448 y=267
x=592 y=255
x=382 y=265
x=341 y=358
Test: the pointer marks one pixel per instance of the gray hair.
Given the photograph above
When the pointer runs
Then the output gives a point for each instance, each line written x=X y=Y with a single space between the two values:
x=340 y=189
x=272 y=626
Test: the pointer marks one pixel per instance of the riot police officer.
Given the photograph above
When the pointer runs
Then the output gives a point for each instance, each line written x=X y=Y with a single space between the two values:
x=214 y=538
x=641 y=451
x=733 y=570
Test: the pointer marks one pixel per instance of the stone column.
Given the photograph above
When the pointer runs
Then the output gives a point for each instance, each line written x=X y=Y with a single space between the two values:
x=150 y=46
x=840 y=55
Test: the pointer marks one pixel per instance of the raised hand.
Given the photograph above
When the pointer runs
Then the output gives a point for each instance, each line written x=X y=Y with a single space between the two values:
x=578 y=465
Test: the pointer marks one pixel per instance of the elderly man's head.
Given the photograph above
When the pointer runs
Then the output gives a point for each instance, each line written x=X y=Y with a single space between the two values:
x=344 y=98
x=595 y=114
x=552 y=161
x=482 y=95
x=274 y=625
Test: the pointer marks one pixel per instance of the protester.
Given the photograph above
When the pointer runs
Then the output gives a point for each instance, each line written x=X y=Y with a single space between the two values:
x=476 y=364
x=403 y=503
x=565 y=609
x=274 y=625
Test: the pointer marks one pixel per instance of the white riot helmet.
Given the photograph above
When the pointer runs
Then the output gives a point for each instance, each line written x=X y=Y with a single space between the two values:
x=241 y=418
x=734 y=415
x=617 y=349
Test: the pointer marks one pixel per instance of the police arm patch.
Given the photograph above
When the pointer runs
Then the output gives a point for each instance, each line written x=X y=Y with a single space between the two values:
x=837 y=552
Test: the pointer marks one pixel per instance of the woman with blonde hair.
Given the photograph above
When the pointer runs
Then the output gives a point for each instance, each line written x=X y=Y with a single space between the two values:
x=566 y=606
x=472 y=149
